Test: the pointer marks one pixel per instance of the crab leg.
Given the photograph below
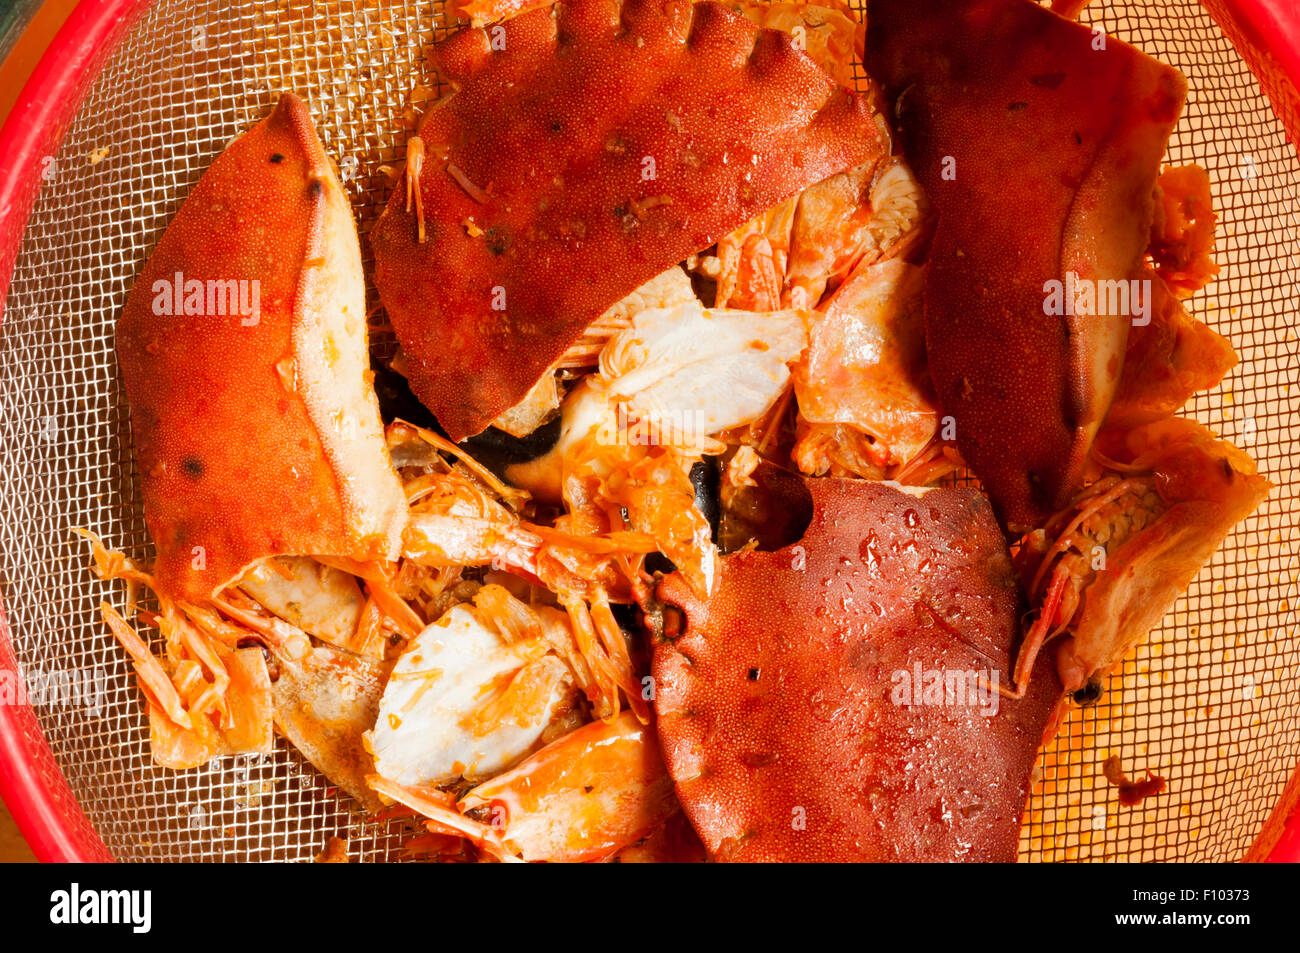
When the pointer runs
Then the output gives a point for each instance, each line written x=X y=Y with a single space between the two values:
x=444 y=817
x=1035 y=639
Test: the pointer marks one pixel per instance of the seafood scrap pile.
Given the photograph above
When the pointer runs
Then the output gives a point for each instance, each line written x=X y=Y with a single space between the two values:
x=657 y=539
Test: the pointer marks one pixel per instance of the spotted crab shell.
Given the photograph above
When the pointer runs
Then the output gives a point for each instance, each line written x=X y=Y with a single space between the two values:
x=586 y=148
x=1038 y=142
x=793 y=711
x=256 y=428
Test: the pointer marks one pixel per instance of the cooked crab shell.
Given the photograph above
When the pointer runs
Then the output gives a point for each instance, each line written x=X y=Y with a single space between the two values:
x=583 y=797
x=778 y=698
x=830 y=33
x=1080 y=122
x=1133 y=541
x=626 y=99
x=257 y=431
x=324 y=702
x=865 y=366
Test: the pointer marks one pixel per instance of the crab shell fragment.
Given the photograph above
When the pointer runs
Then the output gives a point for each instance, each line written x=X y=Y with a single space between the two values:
x=797 y=712
x=1206 y=486
x=1038 y=142
x=324 y=704
x=586 y=148
x=251 y=313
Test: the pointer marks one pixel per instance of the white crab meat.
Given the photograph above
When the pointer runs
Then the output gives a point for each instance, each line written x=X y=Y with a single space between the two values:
x=665 y=290
x=430 y=728
x=318 y=599
x=584 y=410
x=542 y=400
x=702 y=371
x=676 y=376
x=452 y=539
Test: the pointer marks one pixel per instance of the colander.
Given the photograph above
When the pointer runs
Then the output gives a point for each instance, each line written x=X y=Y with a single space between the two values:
x=135 y=99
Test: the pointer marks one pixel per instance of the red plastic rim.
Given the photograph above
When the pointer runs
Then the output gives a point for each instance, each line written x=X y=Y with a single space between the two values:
x=1265 y=32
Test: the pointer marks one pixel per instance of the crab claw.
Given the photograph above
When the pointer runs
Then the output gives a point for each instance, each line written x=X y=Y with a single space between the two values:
x=585 y=150
x=1041 y=165
x=243 y=350
x=583 y=797
x=835 y=700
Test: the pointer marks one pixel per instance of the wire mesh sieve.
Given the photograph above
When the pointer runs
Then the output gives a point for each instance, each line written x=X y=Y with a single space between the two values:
x=1207 y=703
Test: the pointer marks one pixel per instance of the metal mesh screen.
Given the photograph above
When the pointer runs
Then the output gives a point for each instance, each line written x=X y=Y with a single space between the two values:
x=1208 y=703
